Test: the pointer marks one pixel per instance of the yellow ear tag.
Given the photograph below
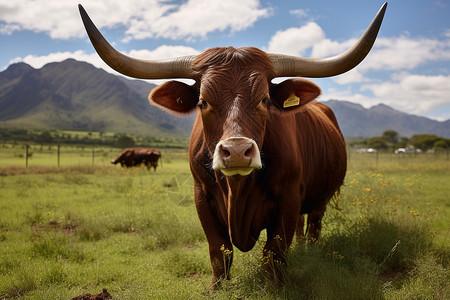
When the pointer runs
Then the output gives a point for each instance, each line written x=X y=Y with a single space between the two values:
x=292 y=100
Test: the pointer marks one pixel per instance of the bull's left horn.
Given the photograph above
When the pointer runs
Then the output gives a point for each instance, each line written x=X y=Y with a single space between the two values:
x=292 y=66
x=144 y=69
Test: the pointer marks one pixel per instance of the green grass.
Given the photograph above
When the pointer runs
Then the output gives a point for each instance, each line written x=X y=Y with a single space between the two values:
x=80 y=228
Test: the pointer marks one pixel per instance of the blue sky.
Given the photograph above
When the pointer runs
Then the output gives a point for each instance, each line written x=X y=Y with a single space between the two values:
x=408 y=68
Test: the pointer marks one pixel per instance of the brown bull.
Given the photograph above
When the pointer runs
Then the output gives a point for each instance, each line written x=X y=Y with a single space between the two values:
x=134 y=157
x=261 y=154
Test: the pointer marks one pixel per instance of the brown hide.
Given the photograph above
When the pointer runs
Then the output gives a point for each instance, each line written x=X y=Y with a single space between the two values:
x=304 y=165
x=136 y=156
x=303 y=152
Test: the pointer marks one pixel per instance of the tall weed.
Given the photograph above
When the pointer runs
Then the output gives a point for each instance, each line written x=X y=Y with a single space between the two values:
x=427 y=280
x=19 y=284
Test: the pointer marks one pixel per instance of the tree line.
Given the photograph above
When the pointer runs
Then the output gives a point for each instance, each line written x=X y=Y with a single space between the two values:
x=390 y=140
x=57 y=137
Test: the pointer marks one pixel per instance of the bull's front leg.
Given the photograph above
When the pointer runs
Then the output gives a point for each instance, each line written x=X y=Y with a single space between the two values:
x=315 y=224
x=279 y=237
x=300 y=229
x=220 y=247
x=221 y=259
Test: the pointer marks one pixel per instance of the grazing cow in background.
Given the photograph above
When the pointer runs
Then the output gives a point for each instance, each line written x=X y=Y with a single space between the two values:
x=261 y=154
x=134 y=157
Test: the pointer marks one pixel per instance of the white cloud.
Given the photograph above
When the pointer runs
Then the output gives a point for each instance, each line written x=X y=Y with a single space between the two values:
x=59 y=19
x=38 y=62
x=417 y=93
x=405 y=53
x=447 y=33
x=352 y=76
x=8 y=29
x=142 y=18
x=299 y=13
x=328 y=48
x=197 y=18
x=161 y=52
x=296 y=40
x=411 y=93
x=404 y=87
x=390 y=74
x=392 y=54
x=164 y=51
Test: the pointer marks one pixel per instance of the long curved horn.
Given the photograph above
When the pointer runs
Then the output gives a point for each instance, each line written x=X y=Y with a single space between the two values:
x=292 y=66
x=144 y=69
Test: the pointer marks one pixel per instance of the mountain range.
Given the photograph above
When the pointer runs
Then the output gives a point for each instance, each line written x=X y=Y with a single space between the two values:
x=357 y=121
x=75 y=95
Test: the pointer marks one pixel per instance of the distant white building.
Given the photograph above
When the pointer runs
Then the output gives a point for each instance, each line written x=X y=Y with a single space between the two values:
x=407 y=150
x=366 y=150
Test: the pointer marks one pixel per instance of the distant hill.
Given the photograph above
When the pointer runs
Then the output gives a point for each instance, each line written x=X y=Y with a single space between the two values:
x=75 y=95
x=357 y=121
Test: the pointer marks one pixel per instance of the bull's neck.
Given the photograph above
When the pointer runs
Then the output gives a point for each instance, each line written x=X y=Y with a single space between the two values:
x=240 y=213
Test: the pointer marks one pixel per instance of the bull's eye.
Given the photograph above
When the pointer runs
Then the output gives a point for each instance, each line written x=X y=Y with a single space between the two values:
x=265 y=100
x=203 y=104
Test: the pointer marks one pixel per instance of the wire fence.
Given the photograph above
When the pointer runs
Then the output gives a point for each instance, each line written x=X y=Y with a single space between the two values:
x=55 y=155
x=390 y=160
x=26 y=155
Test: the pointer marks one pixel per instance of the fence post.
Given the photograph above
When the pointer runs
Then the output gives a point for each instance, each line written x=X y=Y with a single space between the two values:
x=26 y=155
x=59 y=146
x=348 y=154
x=376 y=158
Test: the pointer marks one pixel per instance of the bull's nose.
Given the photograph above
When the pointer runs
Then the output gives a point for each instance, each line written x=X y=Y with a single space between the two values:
x=235 y=154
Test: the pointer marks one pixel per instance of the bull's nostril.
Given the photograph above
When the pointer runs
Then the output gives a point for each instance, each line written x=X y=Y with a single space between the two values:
x=249 y=152
x=226 y=153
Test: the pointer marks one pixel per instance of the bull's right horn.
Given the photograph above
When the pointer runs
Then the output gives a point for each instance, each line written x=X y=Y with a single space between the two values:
x=293 y=66
x=144 y=69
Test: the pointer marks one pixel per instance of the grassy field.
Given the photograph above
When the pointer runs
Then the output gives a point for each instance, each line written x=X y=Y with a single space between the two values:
x=86 y=226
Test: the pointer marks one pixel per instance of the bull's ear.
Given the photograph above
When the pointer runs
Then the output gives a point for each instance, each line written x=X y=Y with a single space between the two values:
x=290 y=95
x=175 y=97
